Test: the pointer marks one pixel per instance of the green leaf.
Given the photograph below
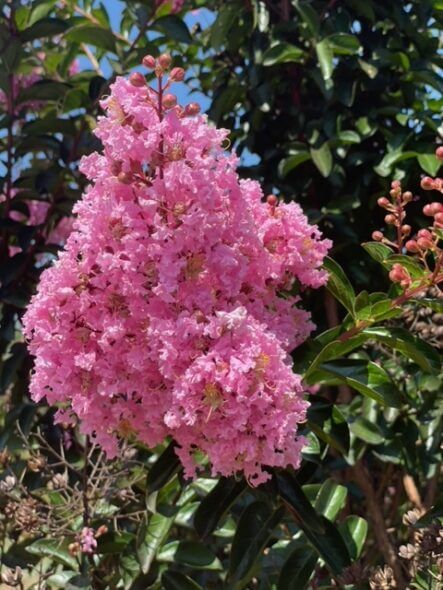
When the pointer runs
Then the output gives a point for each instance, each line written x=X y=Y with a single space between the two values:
x=366 y=431
x=151 y=534
x=325 y=57
x=113 y=542
x=288 y=164
x=377 y=251
x=309 y=16
x=45 y=27
x=54 y=549
x=255 y=528
x=189 y=553
x=322 y=158
x=297 y=569
x=43 y=90
x=322 y=534
x=329 y=424
x=11 y=54
x=344 y=44
x=339 y=284
x=92 y=35
x=354 y=530
x=429 y=163
x=165 y=467
x=349 y=136
x=367 y=378
x=215 y=505
x=40 y=11
x=282 y=53
x=177 y=581
x=409 y=345
x=174 y=28
x=331 y=499
x=435 y=304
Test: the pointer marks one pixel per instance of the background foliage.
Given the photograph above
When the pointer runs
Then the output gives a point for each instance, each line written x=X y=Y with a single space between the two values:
x=327 y=101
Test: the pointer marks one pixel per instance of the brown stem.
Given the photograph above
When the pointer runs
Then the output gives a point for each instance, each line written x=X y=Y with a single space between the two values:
x=363 y=478
x=412 y=492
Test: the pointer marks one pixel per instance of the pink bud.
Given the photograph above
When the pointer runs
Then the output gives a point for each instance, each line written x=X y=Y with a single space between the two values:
x=439 y=152
x=383 y=202
x=169 y=101
x=407 y=196
x=398 y=274
x=192 y=108
x=406 y=229
x=377 y=236
x=438 y=220
x=149 y=62
x=165 y=60
x=177 y=74
x=272 y=200
x=427 y=183
x=432 y=209
x=137 y=79
x=425 y=243
x=124 y=178
x=411 y=246
x=424 y=233
x=390 y=219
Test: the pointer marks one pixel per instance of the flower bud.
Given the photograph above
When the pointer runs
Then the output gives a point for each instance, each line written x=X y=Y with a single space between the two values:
x=424 y=233
x=137 y=79
x=432 y=209
x=377 y=236
x=192 y=109
x=407 y=196
x=177 y=74
x=124 y=178
x=411 y=246
x=438 y=220
x=37 y=463
x=169 y=101
x=399 y=274
x=149 y=62
x=383 y=202
x=425 y=243
x=165 y=61
x=272 y=200
x=439 y=152
x=427 y=183
x=406 y=229
x=390 y=219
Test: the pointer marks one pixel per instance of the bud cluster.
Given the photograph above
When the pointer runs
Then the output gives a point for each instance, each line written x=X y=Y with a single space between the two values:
x=425 y=247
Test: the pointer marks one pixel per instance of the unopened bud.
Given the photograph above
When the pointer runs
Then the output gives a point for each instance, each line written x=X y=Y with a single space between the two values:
x=177 y=74
x=37 y=463
x=383 y=202
x=377 y=236
x=432 y=209
x=424 y=233
x=425 y=243
x=427 y=183
x=438 y=220
x=149 y=62
x=439 y=152
x=169 y=101
x=406 y=229
x=192 y=109
x=180 y=111
x=137 y=79
x=407 y=197
x=165 y=61
x=399 y=274
x=390 y=219
x=411 y=246
x=102 y=530
x=74 y=548
x=272 y=200
x=124 y=178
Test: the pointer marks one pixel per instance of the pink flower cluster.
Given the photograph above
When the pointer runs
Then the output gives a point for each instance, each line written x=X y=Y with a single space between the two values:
x=169 y=312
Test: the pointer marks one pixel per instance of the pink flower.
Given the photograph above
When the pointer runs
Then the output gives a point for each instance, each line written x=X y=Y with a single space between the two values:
x=87 y=540
x=163 y=316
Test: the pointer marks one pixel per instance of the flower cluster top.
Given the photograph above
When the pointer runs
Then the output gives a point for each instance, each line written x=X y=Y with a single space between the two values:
x=168 y=312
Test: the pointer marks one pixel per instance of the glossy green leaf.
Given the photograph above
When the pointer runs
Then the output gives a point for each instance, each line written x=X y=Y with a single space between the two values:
x=55 y=549
x=189 y=553
x=215 y=505
x=255 y=528
x=92 y=35
x=339 y=284
x=366 y=431
x=325 y=58
x=329 y=424
x=151 y=534
x=354 y=531
x=288 y=164
x=282 y=53
x=45 y=27
x=378 y=251
x=174 y=28
x=435 y=304
x=322 y=158
x=429 y=163
x=367 y=378
x=331 y=499
x=165 y=467
x=344 y=44
x=297 y=569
